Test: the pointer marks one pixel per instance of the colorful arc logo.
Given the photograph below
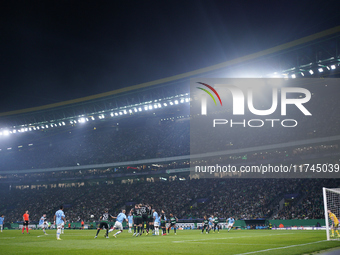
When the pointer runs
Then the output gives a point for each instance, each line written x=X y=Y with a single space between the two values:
x=213 y=90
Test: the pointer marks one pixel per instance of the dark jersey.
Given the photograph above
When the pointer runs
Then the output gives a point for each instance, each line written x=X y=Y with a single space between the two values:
x=216 y=220
x=105 y=217
x=144 y=210
x=206 y=222
x=173 y=220
x=138 y=212
x=162 y=217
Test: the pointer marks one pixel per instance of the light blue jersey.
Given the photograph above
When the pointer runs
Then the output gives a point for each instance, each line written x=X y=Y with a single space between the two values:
x=2 y=219
x=156 y=217
x=210 y=221
x=42 y=220
x=121 y=217
x=59 y=215
x=231 y=220
x=130 y=218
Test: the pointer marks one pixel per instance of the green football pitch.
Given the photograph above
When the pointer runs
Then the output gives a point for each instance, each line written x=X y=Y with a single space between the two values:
x=185 y=242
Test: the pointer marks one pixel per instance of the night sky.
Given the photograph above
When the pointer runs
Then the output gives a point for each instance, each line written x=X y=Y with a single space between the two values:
x=52 y=51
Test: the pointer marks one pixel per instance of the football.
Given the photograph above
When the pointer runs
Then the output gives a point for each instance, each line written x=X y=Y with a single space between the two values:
x=92 y=216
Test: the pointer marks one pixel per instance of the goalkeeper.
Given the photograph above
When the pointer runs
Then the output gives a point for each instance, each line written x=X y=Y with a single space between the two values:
x=335 y=223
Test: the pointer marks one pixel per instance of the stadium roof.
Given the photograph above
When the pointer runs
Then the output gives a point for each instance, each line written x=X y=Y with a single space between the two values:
x=291 y=58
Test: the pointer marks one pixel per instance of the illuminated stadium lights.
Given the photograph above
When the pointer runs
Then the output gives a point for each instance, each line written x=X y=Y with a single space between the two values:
x=328 y=68
x=333 y=67
x=320 y=69
x=6 y=133
x=311 y=72
x=148 y=105
x=302 y=74
x=293 y=76
x=14 y=131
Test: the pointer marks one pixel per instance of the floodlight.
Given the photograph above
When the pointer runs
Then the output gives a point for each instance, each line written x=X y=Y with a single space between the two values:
x=333 y=67
x=293 y=76
x=311 y=72
x=320 y=69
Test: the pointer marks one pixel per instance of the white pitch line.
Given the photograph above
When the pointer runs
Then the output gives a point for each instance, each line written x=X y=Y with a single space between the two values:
x=252 y=244
x=224 y=238
x=278 y=248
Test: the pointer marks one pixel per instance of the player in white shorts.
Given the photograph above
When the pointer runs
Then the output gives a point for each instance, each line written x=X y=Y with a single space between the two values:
x=43 y=224
x=130 y=220
x=156 y=222
x=59 y=220
x=231 y=222
x=119 y=223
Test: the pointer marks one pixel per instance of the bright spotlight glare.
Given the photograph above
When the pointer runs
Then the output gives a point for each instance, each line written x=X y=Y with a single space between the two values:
x=6 y=133
x=176 y=101
x=302 y=74
x=81 y=120
x=293 y=76
x=333 y=67
x=311 y=72
x=320 y=70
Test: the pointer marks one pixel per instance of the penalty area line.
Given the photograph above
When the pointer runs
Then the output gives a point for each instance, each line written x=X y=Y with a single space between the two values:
x=279 y=248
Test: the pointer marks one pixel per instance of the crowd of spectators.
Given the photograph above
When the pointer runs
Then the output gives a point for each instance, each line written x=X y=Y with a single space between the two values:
x=187 y=199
